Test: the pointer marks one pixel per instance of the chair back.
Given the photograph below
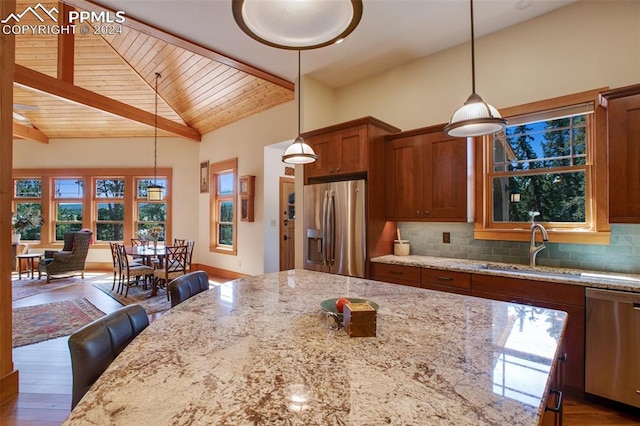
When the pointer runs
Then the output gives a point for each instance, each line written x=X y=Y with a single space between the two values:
x=175 y=259
x=123 y=258
x=188 y=285
x=179 y=242
x=115 y=255
x=137 y=242
x=190 y=244
x=97 y=344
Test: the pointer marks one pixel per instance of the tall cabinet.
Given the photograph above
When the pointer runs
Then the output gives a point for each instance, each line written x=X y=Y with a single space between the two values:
x=355 y=150
x=426 y=176
x=623 y=128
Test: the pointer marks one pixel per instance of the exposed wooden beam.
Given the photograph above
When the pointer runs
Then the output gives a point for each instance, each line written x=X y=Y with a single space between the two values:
x=34 y=80
x=66 y=43
x=160 y=34
x=25 y=132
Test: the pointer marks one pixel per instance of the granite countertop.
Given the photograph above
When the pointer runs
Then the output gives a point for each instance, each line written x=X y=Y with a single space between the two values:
x=259 y=350
x=596 y=279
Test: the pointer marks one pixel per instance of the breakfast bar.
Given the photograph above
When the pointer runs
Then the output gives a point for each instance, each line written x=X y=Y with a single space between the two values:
x=261 y=350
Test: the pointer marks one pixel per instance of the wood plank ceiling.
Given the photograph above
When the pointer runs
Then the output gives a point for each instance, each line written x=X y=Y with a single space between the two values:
x=111 y=89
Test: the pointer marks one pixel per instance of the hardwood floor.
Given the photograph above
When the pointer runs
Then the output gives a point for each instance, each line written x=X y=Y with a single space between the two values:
x=45 y=374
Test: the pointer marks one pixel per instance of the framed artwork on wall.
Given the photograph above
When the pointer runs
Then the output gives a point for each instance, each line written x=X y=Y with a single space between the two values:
x=204 y=176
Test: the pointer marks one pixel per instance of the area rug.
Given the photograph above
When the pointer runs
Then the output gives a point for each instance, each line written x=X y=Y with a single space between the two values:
x=26 y=288
x=137 y=294
x=33 y=324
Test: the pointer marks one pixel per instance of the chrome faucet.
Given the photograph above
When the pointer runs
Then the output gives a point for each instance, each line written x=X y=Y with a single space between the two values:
x=533 y=248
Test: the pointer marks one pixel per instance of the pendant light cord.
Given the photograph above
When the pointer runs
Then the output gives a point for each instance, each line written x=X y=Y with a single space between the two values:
x=155 y=136
x=473 y=53
x=299 y=92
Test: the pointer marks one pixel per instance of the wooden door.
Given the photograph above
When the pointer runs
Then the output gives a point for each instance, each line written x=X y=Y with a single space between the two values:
x=287 y=224
x=445 y=177
x=404 y=178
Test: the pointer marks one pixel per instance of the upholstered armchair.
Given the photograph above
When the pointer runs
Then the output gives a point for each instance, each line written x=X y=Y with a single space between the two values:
x=69 y=260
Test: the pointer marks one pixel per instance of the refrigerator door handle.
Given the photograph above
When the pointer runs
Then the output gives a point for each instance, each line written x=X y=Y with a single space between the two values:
x=332 y=228
x=324 y=234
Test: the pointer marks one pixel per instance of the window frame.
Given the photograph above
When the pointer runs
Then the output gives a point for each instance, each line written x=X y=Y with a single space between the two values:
x=27 y=200
x=216 y=169
x=89 y=199
x=596 y=229
x=107 y=200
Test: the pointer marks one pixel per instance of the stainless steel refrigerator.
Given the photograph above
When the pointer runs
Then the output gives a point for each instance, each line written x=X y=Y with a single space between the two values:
x=335 y=227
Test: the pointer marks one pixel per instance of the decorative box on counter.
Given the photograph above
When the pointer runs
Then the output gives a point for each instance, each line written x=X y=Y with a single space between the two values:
x=359 y=320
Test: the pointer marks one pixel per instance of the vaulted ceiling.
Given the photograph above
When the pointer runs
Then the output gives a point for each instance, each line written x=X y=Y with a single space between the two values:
x=103 y=85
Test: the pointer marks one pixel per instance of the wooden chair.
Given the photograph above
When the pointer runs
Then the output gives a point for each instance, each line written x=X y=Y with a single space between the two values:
x=179 y=242
x=97 y=344
x=131 y=272
x=117 y=270
x=174 y=265
x=190 y=244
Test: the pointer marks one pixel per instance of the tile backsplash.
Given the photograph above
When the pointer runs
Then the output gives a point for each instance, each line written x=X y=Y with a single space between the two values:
x=622 y=255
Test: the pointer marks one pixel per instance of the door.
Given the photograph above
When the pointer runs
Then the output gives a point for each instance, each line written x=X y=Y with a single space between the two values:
x=287 y=223
x=347 y=219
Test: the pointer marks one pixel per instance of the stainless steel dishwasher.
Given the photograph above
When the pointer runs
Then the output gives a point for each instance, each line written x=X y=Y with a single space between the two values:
x=612 y=358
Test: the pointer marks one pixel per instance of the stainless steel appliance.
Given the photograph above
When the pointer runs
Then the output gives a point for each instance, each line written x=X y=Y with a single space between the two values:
x=335 y=228
x=613 y=345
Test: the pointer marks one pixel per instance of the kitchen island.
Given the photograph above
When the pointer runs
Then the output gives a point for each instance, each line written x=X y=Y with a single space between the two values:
x=260 y=350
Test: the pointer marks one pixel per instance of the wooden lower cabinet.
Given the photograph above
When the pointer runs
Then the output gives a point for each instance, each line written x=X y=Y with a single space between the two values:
x=562 y=297
x=449 y=281
x=397 y=274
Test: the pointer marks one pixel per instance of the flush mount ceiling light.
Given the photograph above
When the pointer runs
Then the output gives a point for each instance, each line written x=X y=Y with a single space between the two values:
x=154 y=192
x=297 y=24
x=475 y=117
x=299 y=152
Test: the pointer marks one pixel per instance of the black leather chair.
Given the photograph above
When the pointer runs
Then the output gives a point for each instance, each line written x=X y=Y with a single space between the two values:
x=188 y=285
x=97 y=344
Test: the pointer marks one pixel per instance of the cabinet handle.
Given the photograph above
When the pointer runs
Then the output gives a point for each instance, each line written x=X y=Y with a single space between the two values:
x=417 y=212
x=445 y=278
x=338 y=170
x=426 y=212
x=396 y=272
x=558 y=406
x=330 y=170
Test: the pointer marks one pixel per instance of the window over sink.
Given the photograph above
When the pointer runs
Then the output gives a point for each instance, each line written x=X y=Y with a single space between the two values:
x=547 y=160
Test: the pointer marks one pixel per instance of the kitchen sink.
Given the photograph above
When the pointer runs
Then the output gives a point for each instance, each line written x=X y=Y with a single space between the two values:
x=550 y=272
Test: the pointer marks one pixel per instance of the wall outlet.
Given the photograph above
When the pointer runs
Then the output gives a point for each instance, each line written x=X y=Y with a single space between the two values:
x=446 y=237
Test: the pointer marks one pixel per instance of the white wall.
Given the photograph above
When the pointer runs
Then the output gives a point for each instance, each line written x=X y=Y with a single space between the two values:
x=245 y=140
x=179 y=154
x=584 y=46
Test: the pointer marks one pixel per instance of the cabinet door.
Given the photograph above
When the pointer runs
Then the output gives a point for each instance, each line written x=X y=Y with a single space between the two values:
x=328 y=156
x=397 y=274
x=624 y=159
x=404 y=184
x=352 y=145
x=445 y=177
x=449 y=281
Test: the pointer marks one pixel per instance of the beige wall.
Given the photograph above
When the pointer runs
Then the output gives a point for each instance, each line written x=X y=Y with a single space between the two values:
x=245 y=140
x=584 y=46
x=179 y=154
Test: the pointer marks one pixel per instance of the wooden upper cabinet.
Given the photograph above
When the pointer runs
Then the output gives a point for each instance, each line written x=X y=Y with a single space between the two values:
x=344 y=148
x=426 y=174
x=623 y=127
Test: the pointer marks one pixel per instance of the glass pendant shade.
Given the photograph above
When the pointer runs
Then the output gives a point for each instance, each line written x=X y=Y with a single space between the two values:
x=154 y=193
x=475 y=118
x=296 y=24
x=299 y=153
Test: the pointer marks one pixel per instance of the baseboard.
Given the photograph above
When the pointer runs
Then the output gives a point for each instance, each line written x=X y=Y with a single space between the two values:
x=218 y=272
x=8 y=386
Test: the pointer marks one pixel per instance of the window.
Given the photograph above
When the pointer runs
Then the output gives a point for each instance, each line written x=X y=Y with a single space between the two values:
x=68 y=197
x=223 y=207
x=111 y=202
x=27 y=195
x=109 y=207
x=150 y=213
x=543 y=165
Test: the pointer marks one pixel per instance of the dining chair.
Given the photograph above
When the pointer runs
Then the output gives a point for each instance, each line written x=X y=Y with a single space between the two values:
x=174 y=265
x=190 y=244
x=117 y=269
x=131 y=272
x=179 y=242
x=188 y=285
x=94 y=346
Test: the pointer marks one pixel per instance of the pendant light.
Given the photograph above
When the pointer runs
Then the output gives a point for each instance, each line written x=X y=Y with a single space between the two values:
x=295 y=24
x=154 y=192
x=475 y=117
x=299 y=152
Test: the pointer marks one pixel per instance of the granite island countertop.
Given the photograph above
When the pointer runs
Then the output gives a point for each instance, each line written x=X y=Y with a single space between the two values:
x=259 y=350
x=586 y=278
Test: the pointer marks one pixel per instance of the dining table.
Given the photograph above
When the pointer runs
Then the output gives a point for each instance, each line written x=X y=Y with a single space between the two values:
x=147 y=253
x=267 y=349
